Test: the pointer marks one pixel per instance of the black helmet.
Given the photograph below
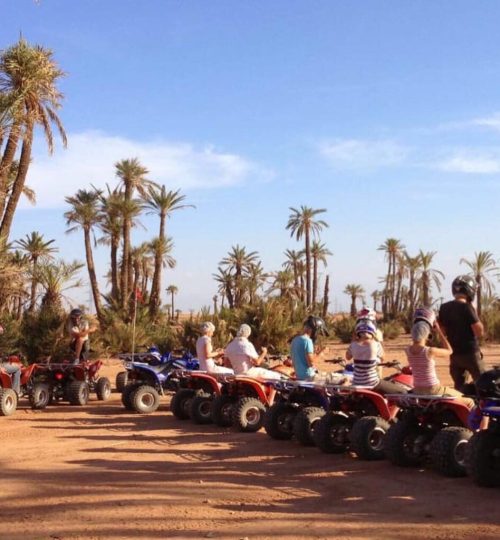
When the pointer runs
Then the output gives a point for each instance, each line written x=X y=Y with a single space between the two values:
x=317 y=325
x=488 y=384
x=74 y=313
x=464 y=285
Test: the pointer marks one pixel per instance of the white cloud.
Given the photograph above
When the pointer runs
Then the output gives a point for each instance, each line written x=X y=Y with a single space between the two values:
x=358 y=153
x=470 y=164
x=90 y=158
x=492 y=121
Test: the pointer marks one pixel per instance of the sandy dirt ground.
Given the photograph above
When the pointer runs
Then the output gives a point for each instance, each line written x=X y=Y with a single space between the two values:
x=99 y=472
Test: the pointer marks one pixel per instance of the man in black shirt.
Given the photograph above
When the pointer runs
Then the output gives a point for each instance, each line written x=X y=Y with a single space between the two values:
x=463 y=329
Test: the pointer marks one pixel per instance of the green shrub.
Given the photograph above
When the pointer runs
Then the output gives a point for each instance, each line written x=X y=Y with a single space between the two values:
x=343 y=328
x=392 y=329
x=43 y=334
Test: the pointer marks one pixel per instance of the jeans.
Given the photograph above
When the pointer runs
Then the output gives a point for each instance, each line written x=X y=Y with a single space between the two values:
x=15 y=371
x=463 y=363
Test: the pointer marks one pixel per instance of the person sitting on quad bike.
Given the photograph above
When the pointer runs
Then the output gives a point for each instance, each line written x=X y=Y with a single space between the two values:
x=422 y=358
x=79 y=330
x=244 y=358
x=302 y=350
x=205 y=353
x=13 y=369
x=367 y=353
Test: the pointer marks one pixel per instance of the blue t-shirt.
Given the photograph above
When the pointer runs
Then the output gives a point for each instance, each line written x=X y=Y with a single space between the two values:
x=300 y=347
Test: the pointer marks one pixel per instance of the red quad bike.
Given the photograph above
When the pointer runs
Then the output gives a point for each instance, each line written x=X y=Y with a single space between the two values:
x=29 y=388
x=359 y=418
x=197 y=390
x=430 y=427
x=74 y=382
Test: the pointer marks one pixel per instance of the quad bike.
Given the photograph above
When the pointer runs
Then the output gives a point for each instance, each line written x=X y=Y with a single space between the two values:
x=300 y=404
x=151 y=375
x=483 y=450
x=197 y=389
x=71 y=382
x=429 y=428
x=36 y=393
x=358 y=418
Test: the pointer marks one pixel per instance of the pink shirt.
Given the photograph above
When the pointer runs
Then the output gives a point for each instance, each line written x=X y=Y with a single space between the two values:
x=423 y=367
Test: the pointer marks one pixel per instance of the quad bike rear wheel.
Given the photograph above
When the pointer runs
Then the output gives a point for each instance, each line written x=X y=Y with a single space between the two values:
x=305 y=423
x=180 y=403
x=406 y=443
x=483 y=458
x=78 y=392
x=248 y=414
x=103 y=389
x=221 y=411
x=121 y=380
x=200 y=408
x=278 y=421
x=40 y=395
x=127 y=395
x=367 y=437
x=448 y=450
x=331 y=433
x=8 y=401
x=145 y=399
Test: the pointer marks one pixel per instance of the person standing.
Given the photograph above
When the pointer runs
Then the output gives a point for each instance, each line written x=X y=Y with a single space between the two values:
x=461 y=325
x=79 y=330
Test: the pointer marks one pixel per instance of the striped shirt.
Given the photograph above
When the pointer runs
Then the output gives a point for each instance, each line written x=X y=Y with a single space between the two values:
x=366 y=359
x=423 y=367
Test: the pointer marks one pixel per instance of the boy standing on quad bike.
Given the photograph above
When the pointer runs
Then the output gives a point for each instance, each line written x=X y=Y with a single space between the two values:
x=79 y=330
x=302 y=350
x=462 y=326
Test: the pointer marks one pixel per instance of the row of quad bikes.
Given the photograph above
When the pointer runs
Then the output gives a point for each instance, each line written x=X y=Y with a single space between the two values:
x=50 y=383
x=408 y=429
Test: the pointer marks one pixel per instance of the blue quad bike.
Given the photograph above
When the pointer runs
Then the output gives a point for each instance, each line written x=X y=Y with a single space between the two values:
x=483 y=450
x=151 y=375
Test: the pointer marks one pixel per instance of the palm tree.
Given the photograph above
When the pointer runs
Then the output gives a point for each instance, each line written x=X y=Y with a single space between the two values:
x=55 y=278
x=293 y=260
x=163 y=203
x=132 y=176
x=239 y=260
x=172 y=290
x=392 y=247
x=161 y=247
x=319 y=253
x=226 y=285
x=84 y=214
x=481 y=266
x=28 y=75
x=376 y=295
x=214 y=300
x=301 y=223
x=355 y=292
x=36 y=247
x=413 y=265
x=255 y=279
x=428 y=276
x=283 y=282
x=138 y=255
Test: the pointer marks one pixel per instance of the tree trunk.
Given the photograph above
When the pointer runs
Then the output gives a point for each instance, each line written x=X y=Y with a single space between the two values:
x=33 y=286
x=326 y=299
x=315 y=281
x=173 y=305
x=92 y=274
x=6 y=163
x=479 y=295
x=124 y=268
x=17 y=188
x=353 y=306
x=308 y=269
x=115 y=290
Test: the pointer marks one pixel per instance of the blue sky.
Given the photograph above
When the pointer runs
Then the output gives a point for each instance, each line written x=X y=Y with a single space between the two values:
x=386 y=113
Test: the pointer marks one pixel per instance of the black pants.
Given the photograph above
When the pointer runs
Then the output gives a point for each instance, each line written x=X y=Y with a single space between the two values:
x=463 y=363
x=390 y=387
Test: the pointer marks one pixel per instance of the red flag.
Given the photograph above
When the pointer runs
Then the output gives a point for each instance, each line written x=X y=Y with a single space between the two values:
x=138 y=295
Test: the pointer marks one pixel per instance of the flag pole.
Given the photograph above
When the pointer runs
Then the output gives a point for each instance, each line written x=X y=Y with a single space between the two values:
x=133 y=323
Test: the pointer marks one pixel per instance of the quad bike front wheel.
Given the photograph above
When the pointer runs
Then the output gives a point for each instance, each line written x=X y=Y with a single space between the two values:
x=40 y=395
x=331 y=433
x=248 y=414
x=278 y=421
x=103 y=389
x=221 y=410
x=368 y=436
x=448 y=450
x=483 y=458
x=406 y=443
x=145 y=399
x=200 y=408
x=8 y=401
x=180 y=403
x=78 y=392
x=305 y=423
x=121 y=381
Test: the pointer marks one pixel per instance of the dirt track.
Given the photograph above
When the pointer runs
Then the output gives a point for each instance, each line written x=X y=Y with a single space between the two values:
x=99 y=472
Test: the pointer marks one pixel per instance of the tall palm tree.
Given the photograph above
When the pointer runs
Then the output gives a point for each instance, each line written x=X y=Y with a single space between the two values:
x=413 y=266
x=354 y=291
x=481 y=266
x=138 y=255
x=293 y=260
x=214 y=300
x=319 y=253
x=29 y=75
x=238 y=260
x=225 y=280
x=84 y=214
x=376 y=296
x=172 y=290
x=132 y=176
x=302 y=223
x=55 y=278
x=255 y=279
x=428 y=276
x=162 y=203
x=283 y=282
x=36 y=247
x=392 y=247
x=162 y=248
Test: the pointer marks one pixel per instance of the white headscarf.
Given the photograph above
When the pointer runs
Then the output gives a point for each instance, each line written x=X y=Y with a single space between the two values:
x=244 y=331
x=206 y=327
x=420 y=331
